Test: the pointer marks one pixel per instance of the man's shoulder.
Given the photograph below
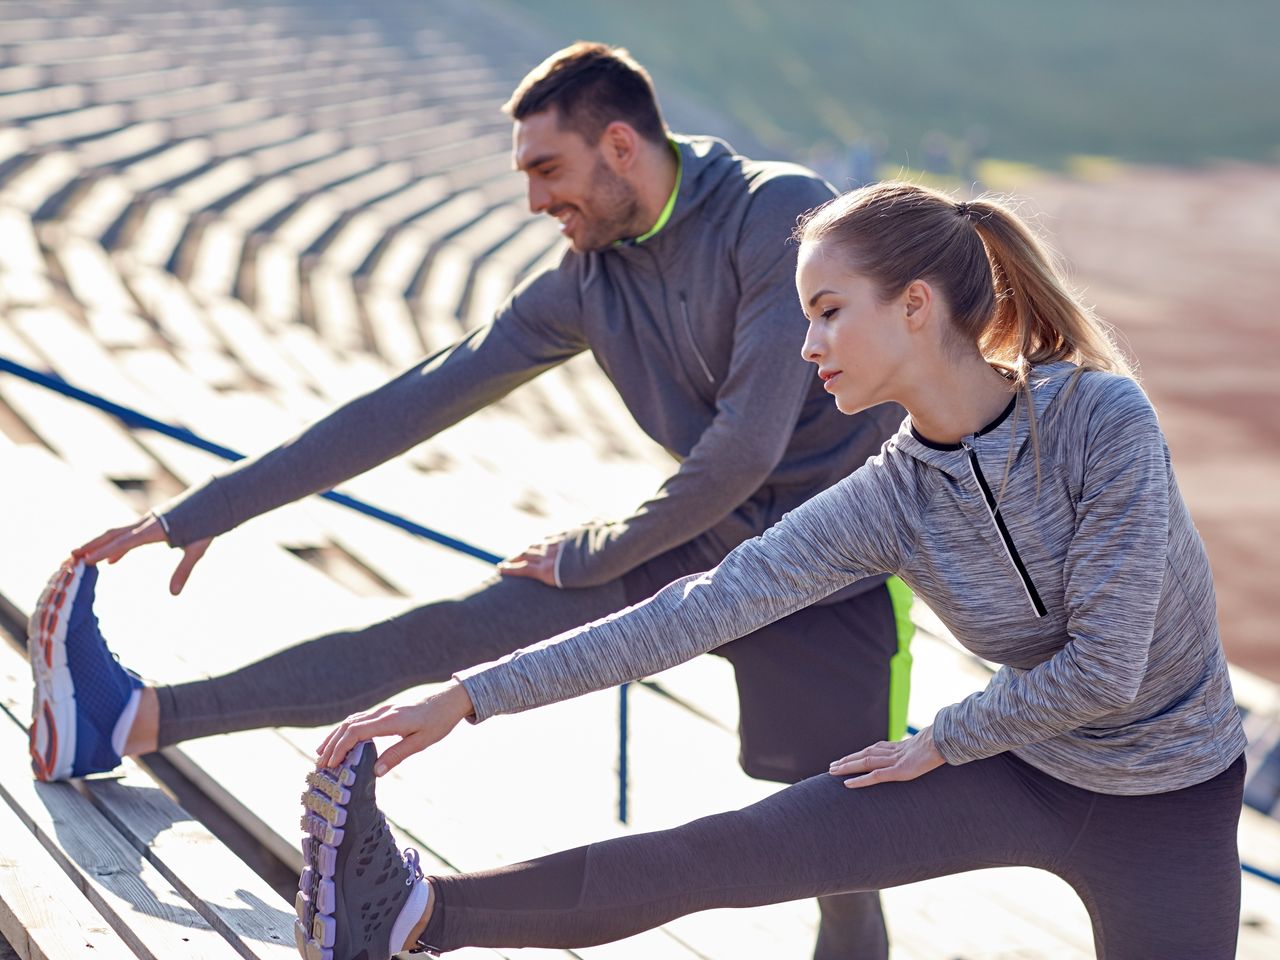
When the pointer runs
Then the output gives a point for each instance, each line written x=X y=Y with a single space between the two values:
x=783 y=178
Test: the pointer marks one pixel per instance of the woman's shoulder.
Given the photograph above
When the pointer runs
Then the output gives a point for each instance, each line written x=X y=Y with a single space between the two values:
x=1100 y=397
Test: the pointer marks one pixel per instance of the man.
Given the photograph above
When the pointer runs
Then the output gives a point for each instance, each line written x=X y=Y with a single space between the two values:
x=680 y=279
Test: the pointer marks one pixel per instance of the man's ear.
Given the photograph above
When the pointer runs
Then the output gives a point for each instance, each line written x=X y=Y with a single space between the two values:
x=620 y=145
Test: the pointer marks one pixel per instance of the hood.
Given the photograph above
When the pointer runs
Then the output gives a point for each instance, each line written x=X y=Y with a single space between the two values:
x=1046 y=382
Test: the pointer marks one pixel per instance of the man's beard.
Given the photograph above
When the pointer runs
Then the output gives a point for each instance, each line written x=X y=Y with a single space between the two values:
x=612 y=210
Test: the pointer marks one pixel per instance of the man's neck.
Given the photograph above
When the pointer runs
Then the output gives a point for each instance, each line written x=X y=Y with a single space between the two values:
x=655 y=182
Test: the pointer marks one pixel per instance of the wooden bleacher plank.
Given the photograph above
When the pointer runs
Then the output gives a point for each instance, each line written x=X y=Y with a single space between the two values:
x=247 y=912
x=123 y=886
x=43 y=914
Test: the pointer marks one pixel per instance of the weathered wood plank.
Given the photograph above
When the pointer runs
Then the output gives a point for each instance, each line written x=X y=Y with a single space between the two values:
x=132 y=896
x=238 y=904
x=42 y=912
x=158 y=876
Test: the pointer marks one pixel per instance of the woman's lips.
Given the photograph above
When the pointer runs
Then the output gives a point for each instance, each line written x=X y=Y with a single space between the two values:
x=830 y=378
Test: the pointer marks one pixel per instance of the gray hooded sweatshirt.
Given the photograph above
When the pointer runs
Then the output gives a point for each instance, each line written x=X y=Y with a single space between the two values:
x=1087 y=581
x=699 y=329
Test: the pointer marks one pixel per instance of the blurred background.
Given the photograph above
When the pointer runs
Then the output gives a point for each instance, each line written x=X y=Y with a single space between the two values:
x=233 y=216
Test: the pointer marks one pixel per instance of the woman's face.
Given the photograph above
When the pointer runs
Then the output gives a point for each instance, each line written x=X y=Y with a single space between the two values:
x=858 y=342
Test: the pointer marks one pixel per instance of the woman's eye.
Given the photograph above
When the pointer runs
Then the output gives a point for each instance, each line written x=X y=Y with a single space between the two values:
x=829 y=313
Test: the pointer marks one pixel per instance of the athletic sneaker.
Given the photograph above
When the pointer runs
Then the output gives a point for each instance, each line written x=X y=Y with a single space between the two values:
x=358 y=897
x=84 y=702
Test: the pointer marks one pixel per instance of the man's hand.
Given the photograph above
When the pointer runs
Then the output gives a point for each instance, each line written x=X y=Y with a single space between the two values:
x=884 y=762
x=118 y=541
x=537 y=562
x=418 y=725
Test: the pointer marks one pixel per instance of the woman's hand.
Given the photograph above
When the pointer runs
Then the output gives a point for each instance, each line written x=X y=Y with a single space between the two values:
x=418 y=725
x=118 y=541
x=883 y=762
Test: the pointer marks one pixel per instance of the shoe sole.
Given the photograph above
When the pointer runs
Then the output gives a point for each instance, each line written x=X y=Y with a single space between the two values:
x=325 y=803
x=53 y=707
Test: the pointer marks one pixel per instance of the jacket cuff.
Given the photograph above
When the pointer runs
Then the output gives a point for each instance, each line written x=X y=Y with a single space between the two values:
x=946 y=738
x=478 y=690
x=200 y=512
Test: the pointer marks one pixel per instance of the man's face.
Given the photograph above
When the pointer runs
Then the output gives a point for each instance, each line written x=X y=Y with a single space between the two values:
x=573 y=181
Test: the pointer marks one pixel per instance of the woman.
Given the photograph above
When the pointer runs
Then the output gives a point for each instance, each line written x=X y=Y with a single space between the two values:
x=1029 y=499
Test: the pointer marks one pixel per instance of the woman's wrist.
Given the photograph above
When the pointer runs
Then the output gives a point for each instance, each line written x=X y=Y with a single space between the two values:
x=455 y=699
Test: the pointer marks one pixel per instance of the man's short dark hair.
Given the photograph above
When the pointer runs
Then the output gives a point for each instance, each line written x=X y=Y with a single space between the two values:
x=591 y=85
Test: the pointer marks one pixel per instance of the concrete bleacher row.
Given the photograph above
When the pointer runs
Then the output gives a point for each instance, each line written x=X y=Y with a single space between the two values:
x=235 y=217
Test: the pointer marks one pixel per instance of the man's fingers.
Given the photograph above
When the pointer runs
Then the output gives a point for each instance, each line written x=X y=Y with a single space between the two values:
x=190 y=557
x=118 y=541
x=87 y=550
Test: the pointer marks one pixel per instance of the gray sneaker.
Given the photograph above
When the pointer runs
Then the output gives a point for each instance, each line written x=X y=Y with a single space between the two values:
x=358 y=897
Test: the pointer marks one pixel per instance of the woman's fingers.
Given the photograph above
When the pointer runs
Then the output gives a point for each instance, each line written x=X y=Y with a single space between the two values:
x=884 y=762
x=863 y=764
x=329 y=754
x=881 y=749
x=405 y=748
x=885 y=774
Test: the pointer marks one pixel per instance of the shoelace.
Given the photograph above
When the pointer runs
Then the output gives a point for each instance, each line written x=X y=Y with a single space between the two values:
x=415 y=868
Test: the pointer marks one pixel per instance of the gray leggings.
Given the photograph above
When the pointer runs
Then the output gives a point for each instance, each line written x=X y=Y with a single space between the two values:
x=1159 y=874
x=833 y=657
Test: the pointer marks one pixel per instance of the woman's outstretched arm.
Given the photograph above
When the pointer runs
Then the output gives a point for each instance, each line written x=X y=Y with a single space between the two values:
x=842 y=535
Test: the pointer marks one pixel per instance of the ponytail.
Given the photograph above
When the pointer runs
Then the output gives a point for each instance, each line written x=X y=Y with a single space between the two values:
x=1006 y=294
x=1036 y=319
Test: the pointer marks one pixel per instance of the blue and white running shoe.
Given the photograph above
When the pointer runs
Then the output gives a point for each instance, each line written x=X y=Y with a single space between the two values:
x=84 y=702
x=358 y=897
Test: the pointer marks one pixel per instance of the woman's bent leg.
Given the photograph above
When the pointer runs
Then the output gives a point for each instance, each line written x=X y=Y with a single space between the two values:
x=812 y=839
x=1160 y=874
x=326 y=679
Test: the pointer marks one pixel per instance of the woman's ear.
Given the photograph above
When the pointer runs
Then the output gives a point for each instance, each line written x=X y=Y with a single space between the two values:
x=917 y=304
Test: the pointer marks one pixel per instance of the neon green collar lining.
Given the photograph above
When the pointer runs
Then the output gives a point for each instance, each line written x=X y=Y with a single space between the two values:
x=665 y=215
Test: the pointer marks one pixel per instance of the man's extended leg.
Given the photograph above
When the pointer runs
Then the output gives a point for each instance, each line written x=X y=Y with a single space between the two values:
x=323 y=680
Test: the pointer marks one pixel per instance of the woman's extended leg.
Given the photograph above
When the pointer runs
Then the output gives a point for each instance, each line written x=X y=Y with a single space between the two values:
x=814 y=838
x=1159 y=874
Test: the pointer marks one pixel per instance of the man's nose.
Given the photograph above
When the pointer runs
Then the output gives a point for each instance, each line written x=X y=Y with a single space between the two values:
x=538 y=198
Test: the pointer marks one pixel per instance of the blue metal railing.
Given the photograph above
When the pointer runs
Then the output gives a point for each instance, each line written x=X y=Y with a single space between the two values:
x=138 y=420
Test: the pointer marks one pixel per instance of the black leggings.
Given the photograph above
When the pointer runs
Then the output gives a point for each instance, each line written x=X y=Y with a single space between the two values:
x=1159 y=874
x=834 y=658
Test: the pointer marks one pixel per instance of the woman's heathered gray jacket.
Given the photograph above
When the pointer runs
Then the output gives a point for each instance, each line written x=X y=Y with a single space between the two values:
x=1089 y=584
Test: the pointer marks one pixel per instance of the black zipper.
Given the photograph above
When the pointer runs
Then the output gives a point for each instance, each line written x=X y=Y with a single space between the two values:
x=688 y=329
x=1032 y=594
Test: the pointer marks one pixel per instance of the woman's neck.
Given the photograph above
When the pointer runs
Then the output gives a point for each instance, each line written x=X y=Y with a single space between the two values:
x=958 y=399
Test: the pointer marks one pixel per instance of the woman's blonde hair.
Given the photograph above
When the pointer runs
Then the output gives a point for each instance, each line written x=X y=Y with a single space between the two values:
x=1005 y=290
x=1006 y=293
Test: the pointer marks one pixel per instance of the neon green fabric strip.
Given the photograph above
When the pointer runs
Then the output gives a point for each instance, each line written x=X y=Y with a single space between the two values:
x=901 y=597
x=665 y=215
